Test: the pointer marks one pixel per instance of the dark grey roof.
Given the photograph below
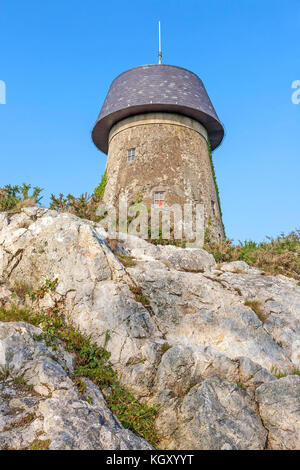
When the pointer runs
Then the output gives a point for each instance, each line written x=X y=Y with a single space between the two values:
x=151 y=88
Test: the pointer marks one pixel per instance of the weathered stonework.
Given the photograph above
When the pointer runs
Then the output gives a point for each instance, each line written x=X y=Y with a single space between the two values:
x=171 y=156
x=155 y=125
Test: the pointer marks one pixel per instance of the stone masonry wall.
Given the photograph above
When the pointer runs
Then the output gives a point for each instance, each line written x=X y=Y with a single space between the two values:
x=171 y=156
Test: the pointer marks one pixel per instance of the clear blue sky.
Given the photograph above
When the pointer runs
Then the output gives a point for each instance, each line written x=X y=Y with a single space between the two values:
x=59 y=57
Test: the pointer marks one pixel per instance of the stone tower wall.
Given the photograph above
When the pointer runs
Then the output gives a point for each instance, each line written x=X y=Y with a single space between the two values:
x=171 y=156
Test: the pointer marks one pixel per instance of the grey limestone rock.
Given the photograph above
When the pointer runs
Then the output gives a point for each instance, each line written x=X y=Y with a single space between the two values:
x=176 y=326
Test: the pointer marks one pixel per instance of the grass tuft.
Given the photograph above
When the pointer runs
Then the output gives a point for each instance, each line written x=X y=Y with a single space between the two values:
x=257 y=308
x=240 y=385
x=165 y=347
x=40 y=445
x=293 y=372
x=127 y=261
x=139 y=296
x=279 y=255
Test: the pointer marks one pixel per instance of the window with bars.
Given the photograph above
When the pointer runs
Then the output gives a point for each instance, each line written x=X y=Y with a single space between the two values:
x=130 y=155
x=159 y=199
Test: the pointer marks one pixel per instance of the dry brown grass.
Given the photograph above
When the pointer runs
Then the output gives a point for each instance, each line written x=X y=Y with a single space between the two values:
x=113 y=244
x=21 y=289
x=195 y=271
x=277 y=256
x=257 y=307
x=30 y=202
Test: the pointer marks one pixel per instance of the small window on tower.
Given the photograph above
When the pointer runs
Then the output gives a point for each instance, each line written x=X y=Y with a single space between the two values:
x=213 y=207
x=159 y=199
x=130 y=155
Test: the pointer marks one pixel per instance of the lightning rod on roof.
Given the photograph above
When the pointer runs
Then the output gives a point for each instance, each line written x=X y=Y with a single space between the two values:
x=159 y=44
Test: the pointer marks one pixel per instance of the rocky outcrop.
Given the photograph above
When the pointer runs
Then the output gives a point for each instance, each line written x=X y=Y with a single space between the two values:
x=279 y=409
x=39 y=402
x=180 y=334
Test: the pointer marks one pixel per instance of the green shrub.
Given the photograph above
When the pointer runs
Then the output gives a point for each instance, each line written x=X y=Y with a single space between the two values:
x=13 y=198
x=84 y=206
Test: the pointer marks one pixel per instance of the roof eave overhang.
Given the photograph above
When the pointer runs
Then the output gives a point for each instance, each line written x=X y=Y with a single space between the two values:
x=100 y=133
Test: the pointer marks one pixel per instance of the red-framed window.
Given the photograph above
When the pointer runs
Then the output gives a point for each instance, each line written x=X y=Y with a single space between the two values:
x=159 y=199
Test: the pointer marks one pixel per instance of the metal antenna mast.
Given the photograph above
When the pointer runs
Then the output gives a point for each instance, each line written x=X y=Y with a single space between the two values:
x=159 y=44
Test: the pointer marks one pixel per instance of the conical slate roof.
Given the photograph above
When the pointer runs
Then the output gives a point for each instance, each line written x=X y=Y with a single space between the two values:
x=157 y=88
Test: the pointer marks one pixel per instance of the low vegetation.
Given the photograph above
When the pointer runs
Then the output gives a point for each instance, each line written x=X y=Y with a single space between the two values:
x=85 y=206
x=40 y=445
x=165 y=347
x=91 y=361
x=240 y=385
x=139 y=296
x=127 y=261
x=99 y=191
x=280 y=375
x=279 y=255
x=13 y=198
x=257 y=308
x=164 y=241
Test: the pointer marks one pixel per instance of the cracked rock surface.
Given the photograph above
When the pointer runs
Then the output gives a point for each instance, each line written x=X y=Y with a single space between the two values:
x=45 y=405
x=187 y=343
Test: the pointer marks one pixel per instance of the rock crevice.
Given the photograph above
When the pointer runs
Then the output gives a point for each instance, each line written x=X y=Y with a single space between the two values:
x=193 y=349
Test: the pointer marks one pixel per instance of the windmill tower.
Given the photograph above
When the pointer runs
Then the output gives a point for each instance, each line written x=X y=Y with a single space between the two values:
x=156 y=126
